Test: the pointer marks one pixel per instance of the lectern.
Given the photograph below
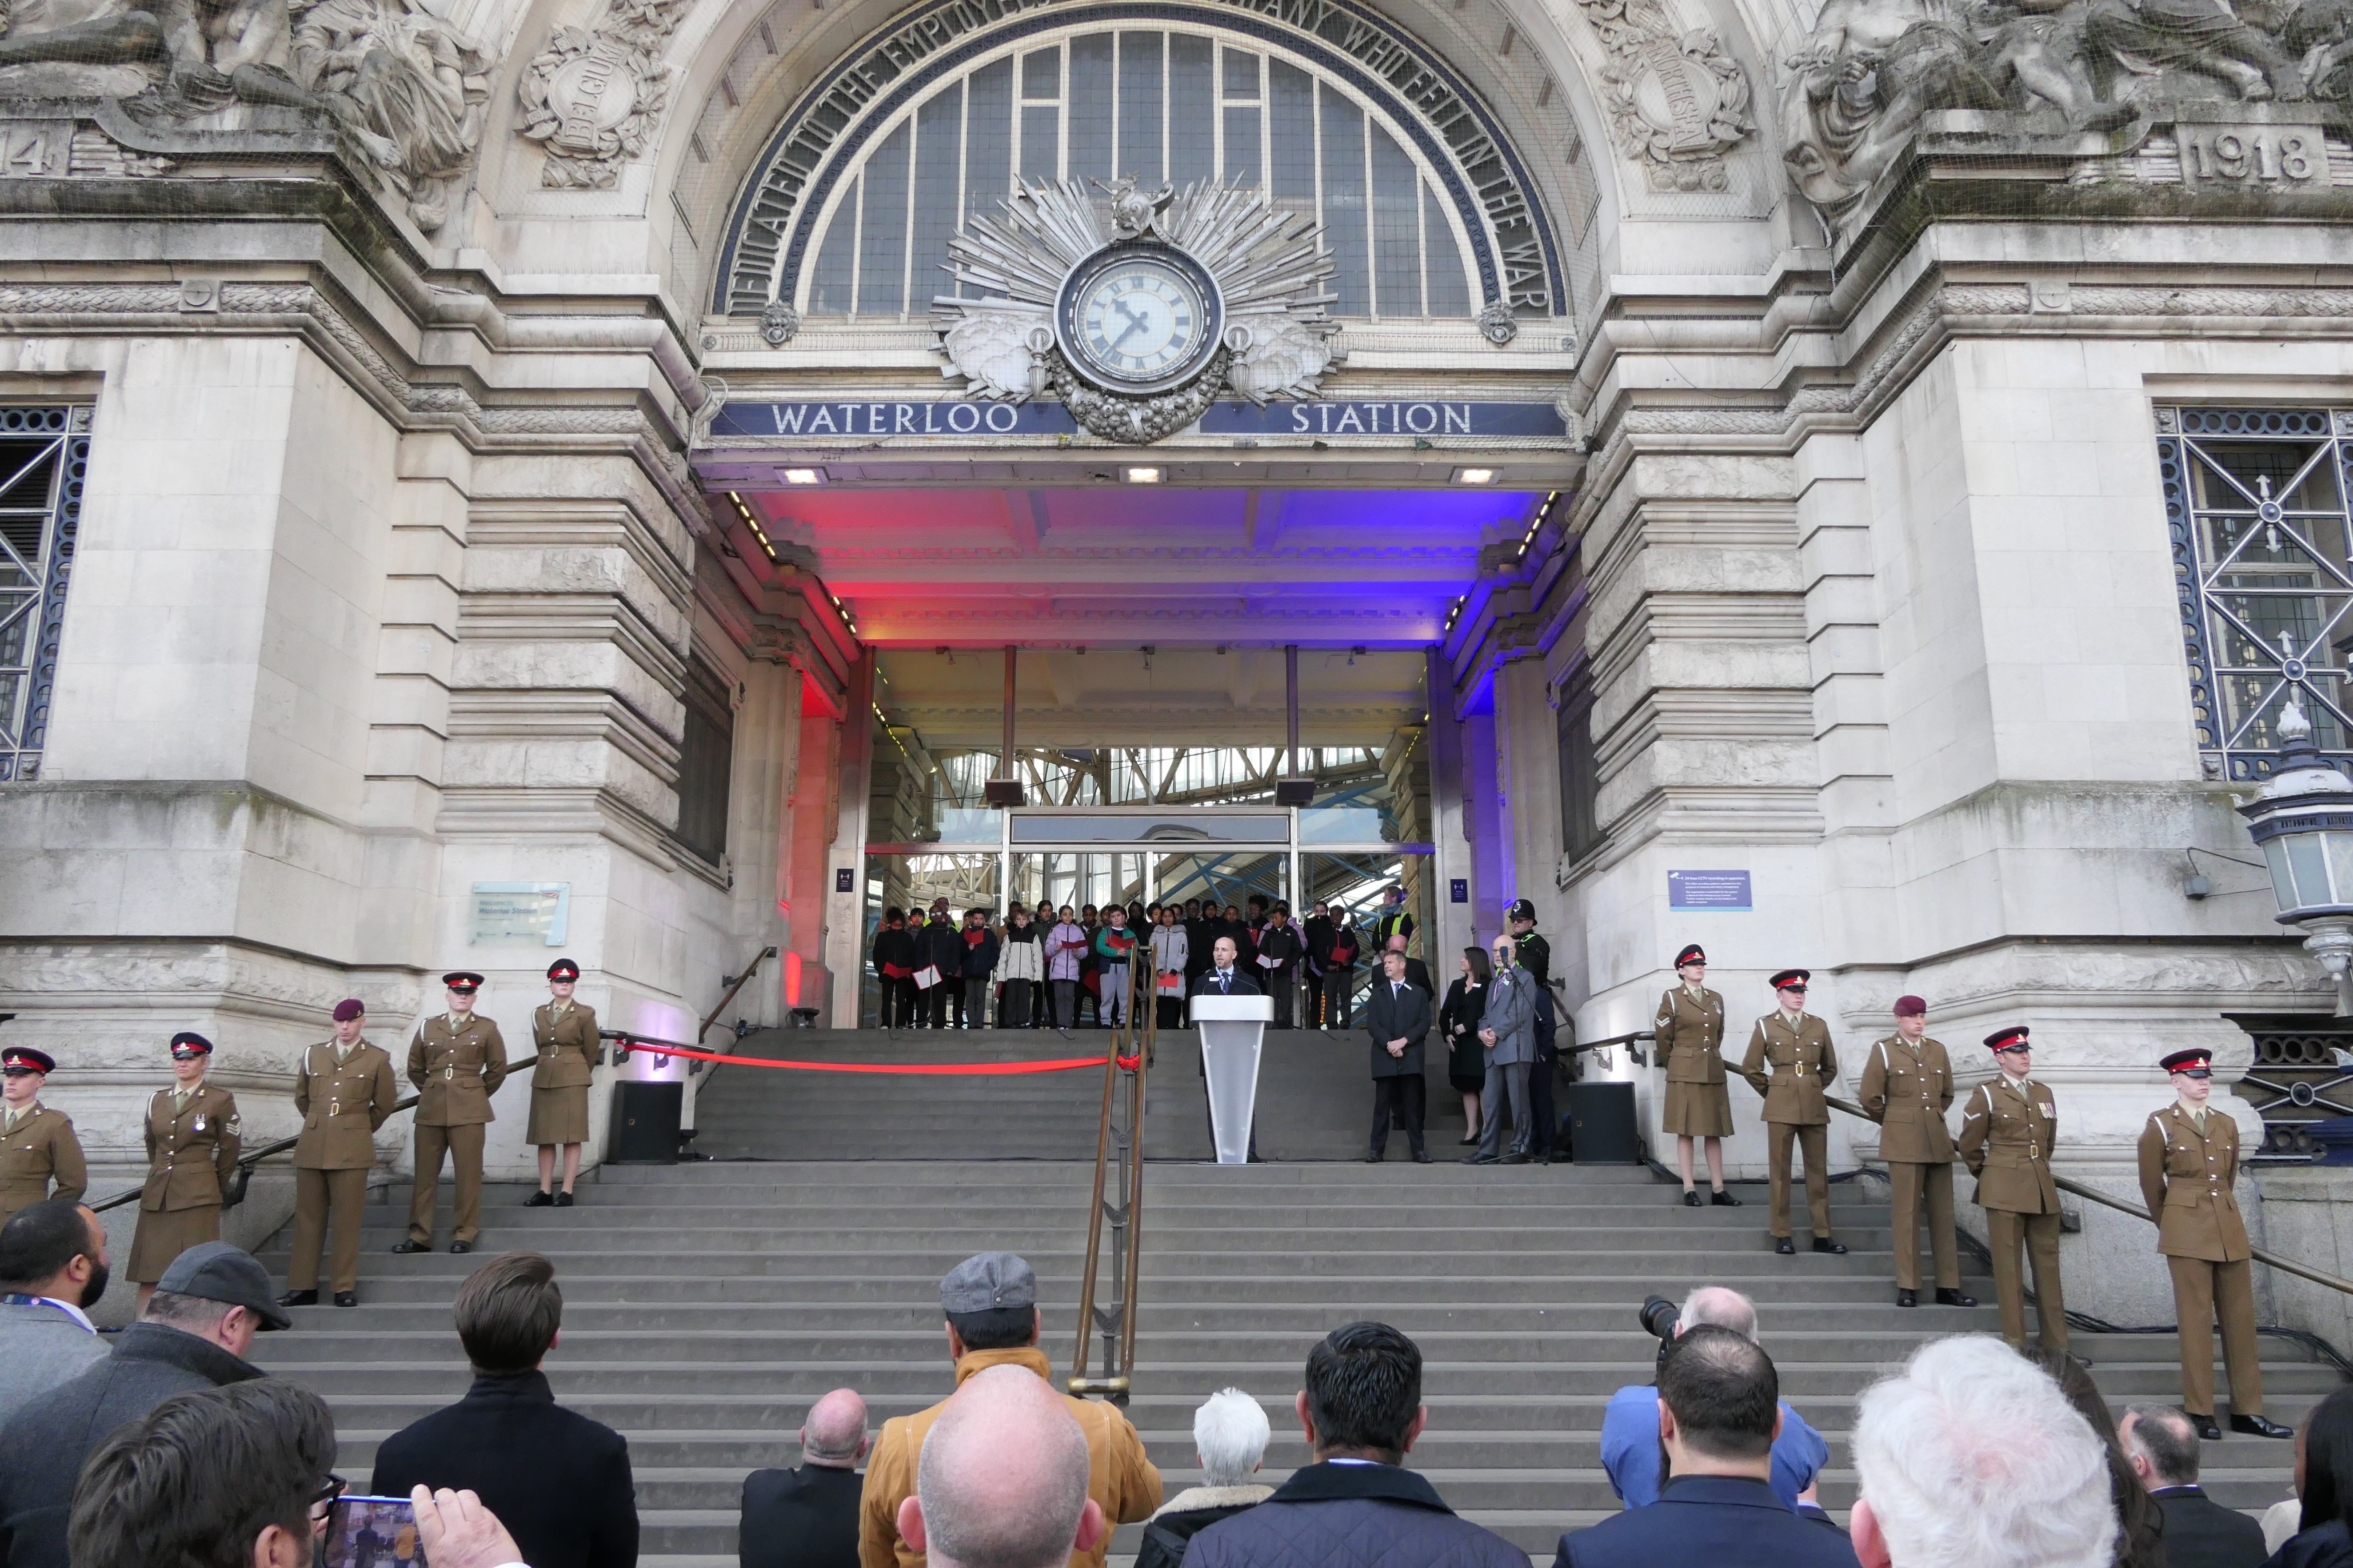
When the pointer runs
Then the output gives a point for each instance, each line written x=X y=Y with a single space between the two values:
x=1232 y=1029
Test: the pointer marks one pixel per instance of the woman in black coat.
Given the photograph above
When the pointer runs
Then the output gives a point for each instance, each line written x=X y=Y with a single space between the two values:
x=2323 y=1480
x=1458 y=1024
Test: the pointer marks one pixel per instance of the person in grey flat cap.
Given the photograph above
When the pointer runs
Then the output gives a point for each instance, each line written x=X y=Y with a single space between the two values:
x=990 y=1302
x=196 y=1330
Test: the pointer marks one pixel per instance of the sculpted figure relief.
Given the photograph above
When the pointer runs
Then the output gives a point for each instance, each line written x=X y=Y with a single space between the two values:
x=175 y=57
x=407 y=87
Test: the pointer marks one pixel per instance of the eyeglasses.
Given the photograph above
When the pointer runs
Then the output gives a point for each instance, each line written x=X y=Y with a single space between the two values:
x=322 y=1503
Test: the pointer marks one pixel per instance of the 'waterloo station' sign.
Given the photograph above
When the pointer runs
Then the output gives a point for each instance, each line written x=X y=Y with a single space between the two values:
x=834 y=420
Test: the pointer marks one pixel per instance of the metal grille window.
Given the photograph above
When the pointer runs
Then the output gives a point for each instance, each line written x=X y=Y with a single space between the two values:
x=2262 y=553
x=42 y=455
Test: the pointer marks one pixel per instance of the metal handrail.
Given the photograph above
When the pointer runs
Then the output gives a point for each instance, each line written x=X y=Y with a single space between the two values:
x=733 y=986
x=241 y=1174
x=1134 y=1039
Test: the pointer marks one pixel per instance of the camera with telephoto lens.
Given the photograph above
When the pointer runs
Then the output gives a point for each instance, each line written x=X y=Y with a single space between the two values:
x=1660 y=1318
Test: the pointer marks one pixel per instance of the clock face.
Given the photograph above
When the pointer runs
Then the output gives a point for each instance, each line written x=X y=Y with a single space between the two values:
x=1138 y=318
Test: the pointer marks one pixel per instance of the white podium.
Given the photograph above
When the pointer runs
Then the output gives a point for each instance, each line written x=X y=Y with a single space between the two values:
x=1232 y=1029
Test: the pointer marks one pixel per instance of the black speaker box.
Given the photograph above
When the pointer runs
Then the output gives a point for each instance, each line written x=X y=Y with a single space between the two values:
x=1601 y=1124
x=645 y=1123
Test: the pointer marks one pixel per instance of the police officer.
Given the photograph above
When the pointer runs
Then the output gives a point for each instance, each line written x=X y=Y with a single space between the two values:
x=1688 y=1035
x=457 y=1060
x=1908 y=1087
x=1534 y=956
x=1796 y=1047
x=2189 y=1159
x=193 y=1141
x=563 y=1033
x=344 y=1090
x=37 y=1145
x=2006 y=1138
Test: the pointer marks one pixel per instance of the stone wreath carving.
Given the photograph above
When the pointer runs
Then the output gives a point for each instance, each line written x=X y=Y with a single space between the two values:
x=1677 y=102
x=592 y=96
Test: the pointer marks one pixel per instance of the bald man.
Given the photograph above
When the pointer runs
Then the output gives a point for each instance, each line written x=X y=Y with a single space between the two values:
x=1002 y=1482
x=807 y=1517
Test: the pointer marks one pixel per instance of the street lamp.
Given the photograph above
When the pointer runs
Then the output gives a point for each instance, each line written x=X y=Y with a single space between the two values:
x=2302 y=818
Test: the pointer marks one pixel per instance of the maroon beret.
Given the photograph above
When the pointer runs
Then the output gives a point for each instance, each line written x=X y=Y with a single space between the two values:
x=350 y=1007
x=1906 y=1006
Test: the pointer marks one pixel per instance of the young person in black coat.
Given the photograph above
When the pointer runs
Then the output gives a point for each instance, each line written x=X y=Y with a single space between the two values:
x=1396 y=1013
x=894 y=968
x=807 y=1517
x=559 y=1481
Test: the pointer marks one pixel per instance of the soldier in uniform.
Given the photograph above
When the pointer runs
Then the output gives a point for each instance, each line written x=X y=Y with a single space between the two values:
x=193 y=1142
x=37 y=1145
x=1534 y=956
x=457 y=1060
x=2189 y=1159
x=1908 y=1087
x=2006 y=1137
x=344 y=1092
x=1797 y=1046
x=564 y=1032
x=1688 y=1035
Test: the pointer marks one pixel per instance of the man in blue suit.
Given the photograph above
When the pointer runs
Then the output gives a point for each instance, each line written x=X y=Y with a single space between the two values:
x=1719 y=1410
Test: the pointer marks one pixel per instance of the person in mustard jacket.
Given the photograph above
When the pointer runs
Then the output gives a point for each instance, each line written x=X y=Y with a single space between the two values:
x=2188 y=1160
x=193 y=1140
x=344 y=1092
x=1796 y=1047
x=2006 y=1138
x=1689 y=1036
x=1908 y=1087
x=457 y=1060
x=564 y=1034
x=37 y=1145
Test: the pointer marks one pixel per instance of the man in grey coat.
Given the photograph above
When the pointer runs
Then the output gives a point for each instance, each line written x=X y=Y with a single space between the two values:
x=53 y=1265
x=1508 y=1031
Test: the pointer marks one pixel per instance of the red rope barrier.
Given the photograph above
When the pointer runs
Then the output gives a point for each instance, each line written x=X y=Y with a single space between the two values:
x=941 y=1070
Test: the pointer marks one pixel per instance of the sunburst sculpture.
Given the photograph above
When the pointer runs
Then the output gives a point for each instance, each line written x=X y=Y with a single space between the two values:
x=1006 y=334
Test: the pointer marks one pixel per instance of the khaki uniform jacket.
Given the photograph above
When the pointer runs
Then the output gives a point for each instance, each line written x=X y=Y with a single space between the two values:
x=2185 y=1176
x=455 y=1072
x=43 y=1146
x=566 y=1047
x=341 y=1104
x=2006 y=1141
x=1803 y=1065
x=1119 y=1476
x=190 y=1150
x=1690 y=1035
x=1907 y=1089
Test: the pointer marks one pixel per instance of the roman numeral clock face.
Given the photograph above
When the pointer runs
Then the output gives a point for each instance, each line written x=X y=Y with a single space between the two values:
x=1137 y=322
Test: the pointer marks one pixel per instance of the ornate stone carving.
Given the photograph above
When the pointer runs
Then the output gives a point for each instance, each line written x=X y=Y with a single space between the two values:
x=1677 y=102
x=1497 y=324
x=403 y=86
x=593 y=97
x=1139 y=421
x=778 y=323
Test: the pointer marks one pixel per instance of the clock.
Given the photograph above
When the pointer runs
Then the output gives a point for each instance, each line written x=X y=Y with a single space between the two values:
x=1138 y=317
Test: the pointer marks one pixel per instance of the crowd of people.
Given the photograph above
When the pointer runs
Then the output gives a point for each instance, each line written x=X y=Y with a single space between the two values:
x=169 y=1449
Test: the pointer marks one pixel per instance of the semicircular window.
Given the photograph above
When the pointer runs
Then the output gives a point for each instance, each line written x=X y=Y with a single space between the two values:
x=1160 y=104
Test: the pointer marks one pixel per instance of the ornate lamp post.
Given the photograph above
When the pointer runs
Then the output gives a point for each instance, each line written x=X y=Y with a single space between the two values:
x=2302 y=818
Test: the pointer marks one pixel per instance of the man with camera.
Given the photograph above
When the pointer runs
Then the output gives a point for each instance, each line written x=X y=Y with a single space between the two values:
x=1630 y=1426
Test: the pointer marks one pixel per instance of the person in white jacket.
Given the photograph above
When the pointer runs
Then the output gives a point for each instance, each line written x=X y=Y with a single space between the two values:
x=1020 y=966
x=1066 y=951
x=1170 y=949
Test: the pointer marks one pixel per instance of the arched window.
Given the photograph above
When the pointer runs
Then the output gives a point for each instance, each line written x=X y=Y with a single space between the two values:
x=1160 y=104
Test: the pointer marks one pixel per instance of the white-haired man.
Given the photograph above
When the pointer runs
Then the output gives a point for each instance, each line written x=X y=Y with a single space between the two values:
x=1971 y=1457
x=1002 y=1482
x=1630 y=1426
x=1229 y=1435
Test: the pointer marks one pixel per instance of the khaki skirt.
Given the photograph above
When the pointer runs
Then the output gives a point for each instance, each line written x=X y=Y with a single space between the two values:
x=1697 y=1111
x=164 y=1234
x=558 y=1116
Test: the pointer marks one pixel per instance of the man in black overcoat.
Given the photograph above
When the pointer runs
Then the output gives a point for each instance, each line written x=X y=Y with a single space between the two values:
x=1396 y=1012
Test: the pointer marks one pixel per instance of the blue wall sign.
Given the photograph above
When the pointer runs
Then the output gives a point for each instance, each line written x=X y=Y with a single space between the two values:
x=1705 y=890
x=833 y=420
x=1458 y=890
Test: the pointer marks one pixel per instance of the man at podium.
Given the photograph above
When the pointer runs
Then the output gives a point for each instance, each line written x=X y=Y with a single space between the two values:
x=1224 y=978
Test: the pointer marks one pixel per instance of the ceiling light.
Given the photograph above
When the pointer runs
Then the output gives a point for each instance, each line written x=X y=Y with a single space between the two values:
x=817 y=476
x=1474 y=476
x=1144 y=476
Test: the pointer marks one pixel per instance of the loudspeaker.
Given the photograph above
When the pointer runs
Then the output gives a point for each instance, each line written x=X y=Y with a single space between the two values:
x=645 y=1123
x=1003 y=792
x=1294 y=792
x=1601 y=1124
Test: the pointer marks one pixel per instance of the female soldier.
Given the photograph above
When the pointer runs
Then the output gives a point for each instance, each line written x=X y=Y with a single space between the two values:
x=193 y=1142
x=564 y=1032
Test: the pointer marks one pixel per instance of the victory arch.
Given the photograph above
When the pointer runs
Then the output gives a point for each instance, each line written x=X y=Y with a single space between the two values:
x=1862 y=488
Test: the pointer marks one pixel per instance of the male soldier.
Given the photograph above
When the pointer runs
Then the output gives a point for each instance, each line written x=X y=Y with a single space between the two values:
x=1796 y=1046
x=1534 y=956
x=457 y=1061
x=1908 y=1087
x=2006 y=1138
x=344 y=1092
x=193 y=1140
x=2189 y=1159
x=37 y=1145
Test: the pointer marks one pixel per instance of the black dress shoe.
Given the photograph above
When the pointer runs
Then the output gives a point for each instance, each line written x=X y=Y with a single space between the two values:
x=1691 y=1199
x=1468 y=1139
x=540 y=1200
x=1372 y=1158
x=1479 y=1160
x=468 y=1247
x=1514 y=1160
x=1785 y=1245
x=298 y=1298
x=564 y=1200
x=1907 y=1297
x=412 y=1246
x=347 y=1297
x=1824 y=1244
x=1421 y=1156
x=2260 y=1426
x=1953 y=1299
x=2205 y=1426
x=1723 y=1200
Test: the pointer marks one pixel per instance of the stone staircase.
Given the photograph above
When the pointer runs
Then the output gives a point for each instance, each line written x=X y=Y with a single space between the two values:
x=709 y=1304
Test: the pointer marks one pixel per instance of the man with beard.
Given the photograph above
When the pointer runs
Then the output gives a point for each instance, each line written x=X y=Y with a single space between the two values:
x=53 y=1268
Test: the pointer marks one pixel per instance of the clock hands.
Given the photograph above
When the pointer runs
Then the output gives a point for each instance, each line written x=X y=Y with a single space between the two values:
x=1134 y=321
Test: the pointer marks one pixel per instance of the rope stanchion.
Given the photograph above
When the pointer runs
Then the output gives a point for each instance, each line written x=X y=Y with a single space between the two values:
x=933 y=1069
